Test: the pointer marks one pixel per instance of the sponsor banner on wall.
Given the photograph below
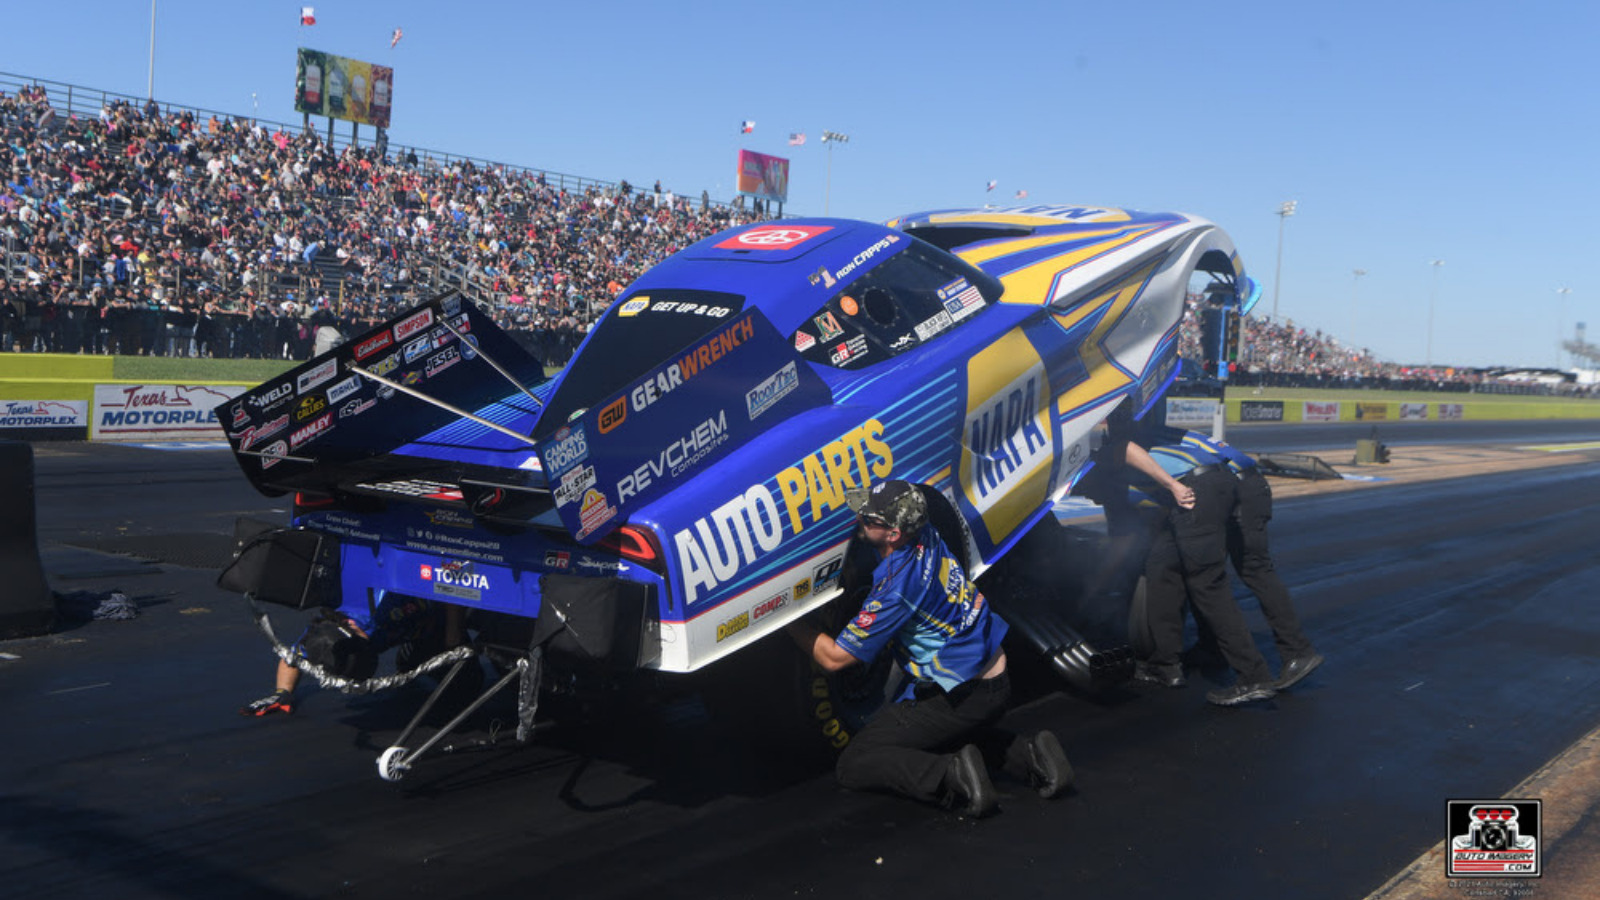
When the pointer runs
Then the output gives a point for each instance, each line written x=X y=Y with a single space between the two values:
x=48 y=419
x=1413 y=410
x=1450 y=410
x=1188 y=411
x=1261 y=410
x=158 y=411
x=1372 y=411
x=1320 y=412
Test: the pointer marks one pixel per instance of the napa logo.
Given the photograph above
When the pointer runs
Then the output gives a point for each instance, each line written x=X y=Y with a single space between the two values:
x=634 y=307
x=1006 y=439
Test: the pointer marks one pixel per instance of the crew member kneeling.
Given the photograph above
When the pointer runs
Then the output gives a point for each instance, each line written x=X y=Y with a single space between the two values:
x=943 y=634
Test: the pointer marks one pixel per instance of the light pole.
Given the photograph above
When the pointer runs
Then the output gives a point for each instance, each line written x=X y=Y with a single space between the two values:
x=1355 y=284
x=151 y=86
x=830 y=138
x=1561 y=322
x=1433 y=295
x=1285 y=210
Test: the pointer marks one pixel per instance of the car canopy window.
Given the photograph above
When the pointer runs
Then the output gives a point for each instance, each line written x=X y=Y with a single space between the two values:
x=909 y=299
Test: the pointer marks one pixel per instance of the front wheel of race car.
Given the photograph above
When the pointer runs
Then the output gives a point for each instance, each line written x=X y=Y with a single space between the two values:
x=392 y=764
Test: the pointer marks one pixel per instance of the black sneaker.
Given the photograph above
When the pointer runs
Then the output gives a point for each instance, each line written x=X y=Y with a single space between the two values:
x=273 y=703
x=967 y=784
x=1296 y=669
x=1165 y=676
x=1241 y=693
x=1048 y=770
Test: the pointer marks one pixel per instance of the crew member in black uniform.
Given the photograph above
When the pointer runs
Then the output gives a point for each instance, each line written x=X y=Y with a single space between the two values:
x=1188 y=493
x=1251 y=558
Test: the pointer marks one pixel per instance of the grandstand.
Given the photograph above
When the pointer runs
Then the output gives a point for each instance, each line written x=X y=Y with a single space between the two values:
x=148 y=228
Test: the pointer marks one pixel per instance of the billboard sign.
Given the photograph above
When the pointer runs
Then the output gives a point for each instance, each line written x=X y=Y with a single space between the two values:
x=763 y=175
x=341 y=88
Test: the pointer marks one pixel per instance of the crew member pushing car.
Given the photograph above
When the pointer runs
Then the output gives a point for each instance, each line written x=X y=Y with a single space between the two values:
x=1248 y=551
x=1188 y=559
x=941 y=632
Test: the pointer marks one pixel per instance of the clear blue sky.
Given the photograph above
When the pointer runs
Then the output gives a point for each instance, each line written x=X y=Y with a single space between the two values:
x=1407 y=131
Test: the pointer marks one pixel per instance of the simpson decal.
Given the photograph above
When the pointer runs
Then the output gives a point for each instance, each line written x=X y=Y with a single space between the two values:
x=413 y=325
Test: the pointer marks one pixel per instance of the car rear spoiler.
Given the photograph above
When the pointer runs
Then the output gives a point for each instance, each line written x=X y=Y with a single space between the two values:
x=433 y=404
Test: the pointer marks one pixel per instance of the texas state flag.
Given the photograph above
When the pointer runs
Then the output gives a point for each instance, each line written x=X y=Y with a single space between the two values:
x=746 y=126
x=308 y=15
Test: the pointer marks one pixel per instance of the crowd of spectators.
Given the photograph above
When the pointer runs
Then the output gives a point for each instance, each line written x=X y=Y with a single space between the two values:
x=145 y=232
x=161 y=233
x=1281 y=354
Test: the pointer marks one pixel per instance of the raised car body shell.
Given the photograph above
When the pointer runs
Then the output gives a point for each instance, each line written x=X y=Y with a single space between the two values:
x=995 y=413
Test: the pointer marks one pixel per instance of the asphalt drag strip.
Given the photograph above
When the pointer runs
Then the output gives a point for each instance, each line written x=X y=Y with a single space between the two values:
x=127 y=771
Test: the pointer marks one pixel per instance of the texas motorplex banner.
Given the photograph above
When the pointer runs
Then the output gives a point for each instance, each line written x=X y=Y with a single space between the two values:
x=158 y=411
x=47 y=419
x=340 y=88
x=763 y=175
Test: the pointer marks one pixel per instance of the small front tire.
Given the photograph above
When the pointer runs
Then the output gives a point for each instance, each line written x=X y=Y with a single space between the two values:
x=392 y=764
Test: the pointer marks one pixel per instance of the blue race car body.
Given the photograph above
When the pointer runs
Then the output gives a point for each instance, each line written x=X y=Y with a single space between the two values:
x=677 y=491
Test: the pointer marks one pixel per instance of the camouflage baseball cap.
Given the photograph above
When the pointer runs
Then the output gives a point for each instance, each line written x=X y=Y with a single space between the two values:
x=898 y=504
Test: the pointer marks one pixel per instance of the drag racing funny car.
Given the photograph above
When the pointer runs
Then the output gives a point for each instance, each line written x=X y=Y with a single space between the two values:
x=677 y=492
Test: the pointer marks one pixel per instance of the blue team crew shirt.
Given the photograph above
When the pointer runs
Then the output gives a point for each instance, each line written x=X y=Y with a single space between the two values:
x=1179 y=452
x=1236 y=459
x=930 y=615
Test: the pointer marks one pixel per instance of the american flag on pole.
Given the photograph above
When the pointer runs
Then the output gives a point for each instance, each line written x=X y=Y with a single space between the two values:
x=395 y=38
x=308 y=15
x=747 y=126
x=1022 y=195
x=797 y=139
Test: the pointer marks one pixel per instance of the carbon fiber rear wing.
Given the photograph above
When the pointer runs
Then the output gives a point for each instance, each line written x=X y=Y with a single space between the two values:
x=434 y=404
